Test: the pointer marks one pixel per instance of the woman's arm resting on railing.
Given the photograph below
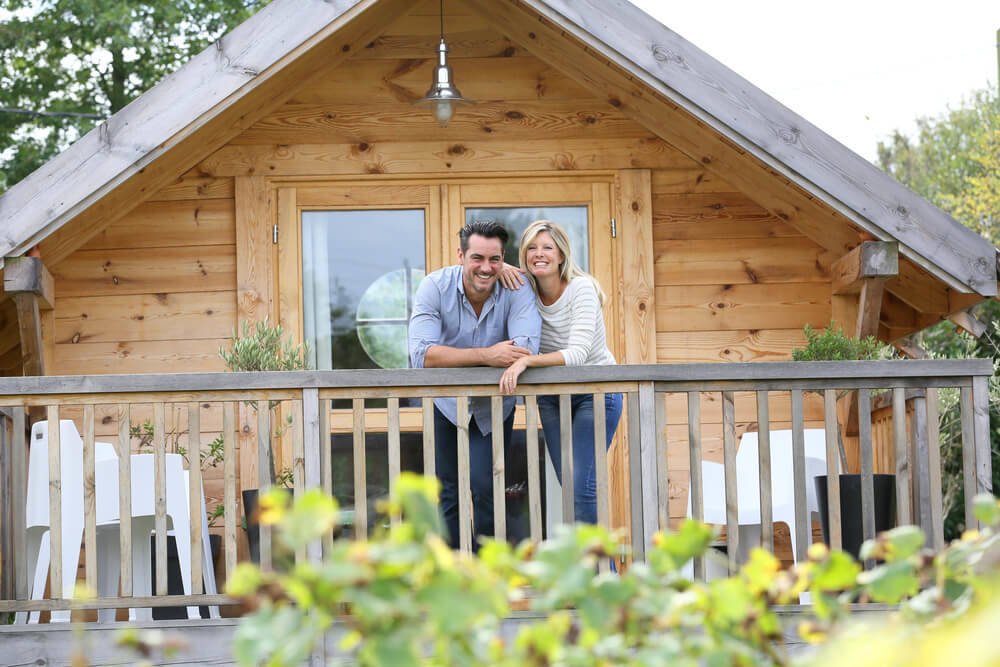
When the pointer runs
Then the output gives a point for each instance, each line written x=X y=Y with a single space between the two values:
x=508 y=381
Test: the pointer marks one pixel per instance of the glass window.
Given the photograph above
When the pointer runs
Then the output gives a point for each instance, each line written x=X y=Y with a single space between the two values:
x=516 y=219
x=360 y=270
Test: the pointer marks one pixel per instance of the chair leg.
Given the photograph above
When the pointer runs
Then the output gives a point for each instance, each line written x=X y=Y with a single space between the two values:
x=108 y=569
x=142 y=583
x=37 y=554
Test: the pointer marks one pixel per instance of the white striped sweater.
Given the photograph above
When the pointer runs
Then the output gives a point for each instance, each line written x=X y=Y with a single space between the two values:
x=573 y=325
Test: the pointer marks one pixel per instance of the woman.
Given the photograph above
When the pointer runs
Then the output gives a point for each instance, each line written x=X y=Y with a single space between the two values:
x=569 y=301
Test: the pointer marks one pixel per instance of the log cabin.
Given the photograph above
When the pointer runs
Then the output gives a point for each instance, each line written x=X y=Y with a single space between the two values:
x=286 y=173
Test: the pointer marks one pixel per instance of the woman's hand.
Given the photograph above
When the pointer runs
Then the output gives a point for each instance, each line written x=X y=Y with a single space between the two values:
x=511 y=277
x=508 y=381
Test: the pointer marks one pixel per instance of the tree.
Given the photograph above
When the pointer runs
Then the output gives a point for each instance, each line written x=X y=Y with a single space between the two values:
x=954 y=162
x=90 y=58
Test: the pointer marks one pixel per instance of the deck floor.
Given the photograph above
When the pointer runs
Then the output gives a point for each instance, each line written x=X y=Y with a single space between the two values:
x=208 y=642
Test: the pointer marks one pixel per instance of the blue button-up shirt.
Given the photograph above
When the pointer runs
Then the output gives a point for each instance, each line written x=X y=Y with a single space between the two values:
x=442 y=315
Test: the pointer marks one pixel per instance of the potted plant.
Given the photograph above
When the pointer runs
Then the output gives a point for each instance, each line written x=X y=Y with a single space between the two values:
x=262 y=347
x=832 y=344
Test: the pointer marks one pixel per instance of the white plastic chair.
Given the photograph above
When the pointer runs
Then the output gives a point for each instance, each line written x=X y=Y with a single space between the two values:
x=143 y=525
x=783 y=508
x=37 y=535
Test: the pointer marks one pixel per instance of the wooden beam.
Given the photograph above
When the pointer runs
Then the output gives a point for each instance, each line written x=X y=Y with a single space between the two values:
x=908 y=346
x=29 y=275
x=869 y=307
x=871 y=259
x=239 y=79
x=969 y=323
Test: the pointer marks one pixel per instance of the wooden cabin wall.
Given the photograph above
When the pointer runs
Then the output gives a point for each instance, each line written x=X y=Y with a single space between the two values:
x=159 y=291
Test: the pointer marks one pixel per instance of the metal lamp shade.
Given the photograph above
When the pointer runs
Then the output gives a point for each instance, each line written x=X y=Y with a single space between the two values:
x=442 y=95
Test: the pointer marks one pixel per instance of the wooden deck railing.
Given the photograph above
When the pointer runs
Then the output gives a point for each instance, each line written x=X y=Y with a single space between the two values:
x=650 y=391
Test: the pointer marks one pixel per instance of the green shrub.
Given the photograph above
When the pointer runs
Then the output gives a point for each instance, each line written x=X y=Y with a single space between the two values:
x=832 y=344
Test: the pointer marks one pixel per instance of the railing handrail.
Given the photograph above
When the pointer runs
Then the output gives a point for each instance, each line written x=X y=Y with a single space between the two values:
x=849 y=373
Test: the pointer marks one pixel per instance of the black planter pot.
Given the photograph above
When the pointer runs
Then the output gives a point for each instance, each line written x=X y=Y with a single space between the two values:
x=253 y=528
x=851 y=526
x=175 y=585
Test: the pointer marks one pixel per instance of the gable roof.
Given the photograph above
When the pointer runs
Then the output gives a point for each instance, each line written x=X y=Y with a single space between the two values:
x=235 y=82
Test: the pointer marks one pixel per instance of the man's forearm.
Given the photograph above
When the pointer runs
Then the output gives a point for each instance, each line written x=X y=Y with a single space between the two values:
x=443 y=356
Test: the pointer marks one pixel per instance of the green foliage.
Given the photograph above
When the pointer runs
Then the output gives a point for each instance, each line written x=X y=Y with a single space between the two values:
x=832 y=344
x=91 y=57
x=262 y=347
x=405 y=598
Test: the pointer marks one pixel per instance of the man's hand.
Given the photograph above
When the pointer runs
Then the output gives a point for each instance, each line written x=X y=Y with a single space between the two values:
x=503 y=354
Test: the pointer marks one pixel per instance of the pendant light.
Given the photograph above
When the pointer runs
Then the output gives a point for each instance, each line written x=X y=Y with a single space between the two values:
x=442 y=95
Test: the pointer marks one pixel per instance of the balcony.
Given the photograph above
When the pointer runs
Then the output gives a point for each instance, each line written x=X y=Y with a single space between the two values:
x=676 y=416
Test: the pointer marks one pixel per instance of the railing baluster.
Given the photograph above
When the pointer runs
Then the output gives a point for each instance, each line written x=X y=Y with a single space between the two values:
x=635 y=478
x=662 y=471
x=392 y=441
x=919 y=463
x=867 y=466
x=935 y=501
x=298 y=461
x=648 y=465
x=566 y=453
x=499 y=477
x=729 y=472
x=195 y=495
x=312 y=439
x=125 y=497
x=600 y=469
x=981 y=428
x=160 y=495
x=803 y=522
x=534 y=474
x=264 y=472
x=969 y=454
x=428 y=415
x=229 y=483
x=902 y=460
x=19 y=518
x=55 y=503
x=764 y=471
x=832 y=468
x=464 y=490
x=326 y=461
x=694 y=452
x=89 y=500
x=360 y=471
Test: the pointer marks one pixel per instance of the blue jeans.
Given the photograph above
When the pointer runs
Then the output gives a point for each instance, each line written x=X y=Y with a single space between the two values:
x=480 y=475
x=584 y=465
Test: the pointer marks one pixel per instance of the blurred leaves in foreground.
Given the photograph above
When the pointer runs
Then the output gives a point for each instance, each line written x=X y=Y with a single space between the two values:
x=405 y=598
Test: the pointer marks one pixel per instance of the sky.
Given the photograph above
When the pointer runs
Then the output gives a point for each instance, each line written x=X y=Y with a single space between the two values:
x=856 y=69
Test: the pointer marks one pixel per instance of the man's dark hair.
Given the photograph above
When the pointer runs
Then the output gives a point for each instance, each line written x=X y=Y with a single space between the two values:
x=488 y=229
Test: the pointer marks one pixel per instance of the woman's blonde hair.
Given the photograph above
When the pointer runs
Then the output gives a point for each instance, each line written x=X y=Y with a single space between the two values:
x=568 y=269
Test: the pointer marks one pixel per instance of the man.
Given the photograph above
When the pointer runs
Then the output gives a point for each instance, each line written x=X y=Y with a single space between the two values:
x=462 y=317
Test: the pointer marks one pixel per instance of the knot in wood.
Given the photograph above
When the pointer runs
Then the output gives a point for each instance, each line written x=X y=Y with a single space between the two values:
x=665 y=55
x=457 y=149
x=789 y=135
x=514 y=115
x=901 y=211
x=635 y=206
